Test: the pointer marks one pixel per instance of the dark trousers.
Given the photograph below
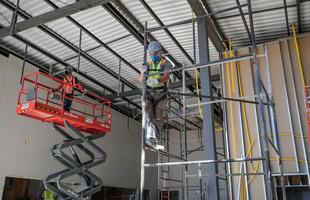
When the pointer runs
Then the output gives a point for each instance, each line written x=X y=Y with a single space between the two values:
x=67 y=102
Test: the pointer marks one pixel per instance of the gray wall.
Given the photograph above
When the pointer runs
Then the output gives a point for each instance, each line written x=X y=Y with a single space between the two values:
x=25 y=142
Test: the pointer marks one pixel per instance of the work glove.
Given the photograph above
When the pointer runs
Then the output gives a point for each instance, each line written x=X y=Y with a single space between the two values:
x=152 y=82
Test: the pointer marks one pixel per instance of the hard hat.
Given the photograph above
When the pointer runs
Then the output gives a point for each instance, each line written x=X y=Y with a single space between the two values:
x=68 y=69
x=154 y=46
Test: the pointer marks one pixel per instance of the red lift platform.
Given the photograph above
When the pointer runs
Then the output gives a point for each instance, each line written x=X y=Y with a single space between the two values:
x=89 y=113
x=307 y=96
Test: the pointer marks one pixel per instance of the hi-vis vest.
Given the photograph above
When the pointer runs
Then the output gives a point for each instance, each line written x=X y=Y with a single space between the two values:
x=69 y=84
x=155 y=69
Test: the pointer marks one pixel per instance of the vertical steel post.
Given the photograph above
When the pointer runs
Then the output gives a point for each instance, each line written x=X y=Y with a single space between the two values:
x=143 y=102
x=266 y=162
x=225 y=127
x=80 y=49
x=14 y=18
x=258 y=130
x=184 y=133
x=242 y=134
x=24 y=64
x=119 y=76
x=208 y=119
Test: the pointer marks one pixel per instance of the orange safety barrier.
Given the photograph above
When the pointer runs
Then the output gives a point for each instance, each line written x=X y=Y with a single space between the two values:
x=90 y=113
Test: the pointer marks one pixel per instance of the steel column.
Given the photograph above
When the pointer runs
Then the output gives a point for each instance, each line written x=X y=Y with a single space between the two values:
x=208 y=119
x=225 y=127
x=266 y=162
x=24 y=63
x=14 y=19
x=143 y=104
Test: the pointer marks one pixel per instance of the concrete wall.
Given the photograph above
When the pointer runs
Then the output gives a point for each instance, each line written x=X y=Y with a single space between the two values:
x=25 y=142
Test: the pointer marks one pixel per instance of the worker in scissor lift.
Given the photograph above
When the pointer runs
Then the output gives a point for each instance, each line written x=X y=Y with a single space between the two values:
x=157 y=76
x=70 y=83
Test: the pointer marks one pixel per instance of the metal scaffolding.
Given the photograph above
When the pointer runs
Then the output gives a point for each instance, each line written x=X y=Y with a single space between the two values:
x=263 y=102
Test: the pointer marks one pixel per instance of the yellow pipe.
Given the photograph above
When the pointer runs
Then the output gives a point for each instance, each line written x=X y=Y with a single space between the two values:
x=231 y=65
x=298 y=55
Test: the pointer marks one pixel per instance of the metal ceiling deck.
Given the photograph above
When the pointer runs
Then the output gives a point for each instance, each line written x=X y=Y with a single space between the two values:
x=269 y=25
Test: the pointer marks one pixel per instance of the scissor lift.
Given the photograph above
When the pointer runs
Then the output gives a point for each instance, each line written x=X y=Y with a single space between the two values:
x=88 y=119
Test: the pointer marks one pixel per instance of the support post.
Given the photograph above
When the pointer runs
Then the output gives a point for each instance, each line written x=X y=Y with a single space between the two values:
x=226 y=135
x=262 y=128
x=14 y=18
x=80 y=48
x=185 y=137
x=208 y=121
x=24 y=64
x=119 y=76
x=143 y=101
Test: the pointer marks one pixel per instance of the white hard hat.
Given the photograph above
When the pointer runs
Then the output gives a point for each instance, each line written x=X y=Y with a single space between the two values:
x=154 y=46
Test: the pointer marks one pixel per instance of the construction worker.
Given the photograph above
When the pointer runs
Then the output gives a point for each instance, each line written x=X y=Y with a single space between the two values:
x=156 y=95
x=70 y=82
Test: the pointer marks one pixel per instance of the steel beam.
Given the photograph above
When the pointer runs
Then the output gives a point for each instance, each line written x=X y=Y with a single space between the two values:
x=132 y=25
x=243 y=19
x=161 y=24
x=299 y=17
x=262 y=10
x=286 y=18
x=57 y=59
x=70 y=45
x=29 y=60
x=173 y=85
x=213 y=19
x=213 y=34
x=86 y=31
x=52 y=15
x=208 y=122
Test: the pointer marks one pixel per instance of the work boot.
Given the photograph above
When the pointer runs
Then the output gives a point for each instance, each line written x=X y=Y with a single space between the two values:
x=153 y=144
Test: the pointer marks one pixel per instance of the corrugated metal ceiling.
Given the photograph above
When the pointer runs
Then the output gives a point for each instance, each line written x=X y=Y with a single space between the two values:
x=268 y=25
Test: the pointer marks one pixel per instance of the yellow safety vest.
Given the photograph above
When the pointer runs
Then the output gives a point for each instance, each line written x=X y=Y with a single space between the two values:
x=155 y=69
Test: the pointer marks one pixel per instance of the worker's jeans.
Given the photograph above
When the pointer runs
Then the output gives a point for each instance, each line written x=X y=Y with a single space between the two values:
x=155 y=110
x=67 y=102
